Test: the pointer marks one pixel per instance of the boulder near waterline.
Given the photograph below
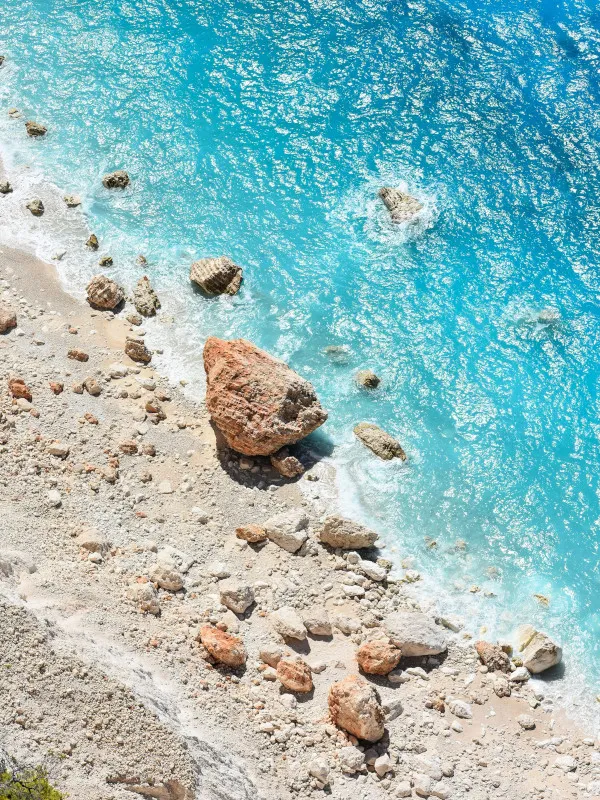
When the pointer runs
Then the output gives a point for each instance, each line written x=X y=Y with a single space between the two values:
x=103 y=293
x=257 y=402
x=216 y=275
x=346 y=534
x=379 y=442
x=415 y=633
x=541 y=653
x=116 y=180
x=145 y=299
x=354 y=706
x=36 y=207
x=402 y=207
x=35 y=129
x=493 y=656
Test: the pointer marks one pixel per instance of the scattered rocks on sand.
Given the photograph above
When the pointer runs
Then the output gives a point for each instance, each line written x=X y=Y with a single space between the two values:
x=287 y=623
x=5 y=187
x=380 y=442
x=8 y=318
x=19 y=389
x=295 y=675
x=346 y=534
x=258 y=403
x=317 y=622
x=137 y=350
x=145 y=597
x=93 y=541
x=166 y=576
x=145 y=299
x=223 y=647
x=216 y=275
x=493 y=656
x=288 y=529
x=251 y=533
x=93 y=242
x=78 y=355
x=367 y=379
x=415 y=633
x=35 y=129
x=105 y=261
x=402 y=207
x=286 y=464
x=378 y=658
x=236 y=595
x=103 y=293
x=116 y=180
x=36 y=207
x=354 y=706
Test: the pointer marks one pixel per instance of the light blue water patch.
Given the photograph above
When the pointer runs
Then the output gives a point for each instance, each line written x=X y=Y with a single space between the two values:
x=263 y=131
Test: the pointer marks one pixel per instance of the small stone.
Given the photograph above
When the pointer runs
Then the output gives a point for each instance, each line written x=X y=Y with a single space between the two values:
x=286 y=464
x=251 y=533
x=5 y=187
x=56 y=387
x=19 y=389
x=317 y=621
x=116 y=180
x=566 y=763
x=288 y=530
x=422 y=785
x=492 y=655
x=166 y=576
x=520 y=675
x=460 y=708
x=105 y=261
x=78 y=355
x=319 y=769
x=526 y=721
x=72 y=201
x=92 y=387
x=271 y=654
x=145 y=298
x=383 y=765
x=104 y=293
x=352 y=760
x=137 y=351
x=287 y=623
x=93 y=541
x=54 y=498
x=58 y=450
x=93 y=242
x=223 y=647
x=236 y=595
x=402 y=207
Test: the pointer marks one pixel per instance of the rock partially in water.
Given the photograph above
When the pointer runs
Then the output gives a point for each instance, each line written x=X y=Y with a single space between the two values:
x=103 y=293
x=541 y=653
x=72 y=200
x=145 y=299
x=216 y=275
x=35 y=129
x=36 y=207
x=5 y=187
x=402 y=207
x=258 y=403
x=106 y=261
x=116 y=180
x=92 y=242
x=380 y=442
x=367 y=379
x=355 y=707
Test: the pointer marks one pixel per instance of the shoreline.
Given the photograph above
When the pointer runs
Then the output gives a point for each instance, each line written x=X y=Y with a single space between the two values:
x=271 y=738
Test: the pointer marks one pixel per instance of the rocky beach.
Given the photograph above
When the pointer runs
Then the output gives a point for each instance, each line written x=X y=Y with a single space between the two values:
x=181 y=619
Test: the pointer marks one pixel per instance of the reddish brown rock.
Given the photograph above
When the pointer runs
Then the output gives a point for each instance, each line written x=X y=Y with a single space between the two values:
x=103 y=293
x=223 y=647
x=493 y=656
x=354 y=706
x=378 y=658
x=258 y=403
x=251 y=533
x=8 y=318
x=295 y=675
x=216 y=275
x=19 y=389
x=78 y=355
x=57 y=387
x=129 y=447
x=137 y=351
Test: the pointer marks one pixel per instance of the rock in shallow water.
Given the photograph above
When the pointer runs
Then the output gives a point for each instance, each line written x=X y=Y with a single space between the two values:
x=216 y=275
x=402 y=207
x=380 y=442
x=36 y=207
x=35 y=129
x=145 y=299
x=258 y=403
x=116 y=180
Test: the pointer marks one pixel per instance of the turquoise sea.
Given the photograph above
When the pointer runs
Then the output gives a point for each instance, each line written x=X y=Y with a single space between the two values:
x=262 y=131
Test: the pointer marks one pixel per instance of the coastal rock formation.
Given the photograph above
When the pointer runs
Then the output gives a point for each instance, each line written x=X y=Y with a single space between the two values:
x=103 y=293
x=380 y=442
x=294 y=674
x=35 y=129
x=258 y=403
x=286 y=464
x=493 y=656
x=288 y=529
x=345 y=533
x=402 y=207
x=116 y=180
x=354 y=706
x=72 y=200
x=8 y=318
x=223 y=647
x=145 y=299
x=415 y=634
x=137 y=351
x=93 y=242
x=5 y=187
x=378 y=658
x=541 y=653
x=36 y=207
x=216 y=275
x=367 y=379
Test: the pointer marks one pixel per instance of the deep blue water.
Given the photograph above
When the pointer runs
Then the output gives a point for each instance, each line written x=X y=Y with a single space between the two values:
x=262 y=131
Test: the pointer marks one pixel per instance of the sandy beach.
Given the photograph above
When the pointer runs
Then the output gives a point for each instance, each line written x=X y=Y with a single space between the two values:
x=119 y=543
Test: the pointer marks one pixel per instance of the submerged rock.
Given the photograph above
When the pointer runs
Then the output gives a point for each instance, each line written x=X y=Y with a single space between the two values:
x=216 y=275
x=103 y=293
x=354 y=706
x=367 y=379
x=145 y=299
x=116 y=180
x=35 y=129
x=105 y=261
x=36 y=207
x=345 y=533
x=258 y=403
x=402 y=207
x=380 y=442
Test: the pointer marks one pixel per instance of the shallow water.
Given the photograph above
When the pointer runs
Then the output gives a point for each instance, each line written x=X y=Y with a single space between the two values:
x=263 y=131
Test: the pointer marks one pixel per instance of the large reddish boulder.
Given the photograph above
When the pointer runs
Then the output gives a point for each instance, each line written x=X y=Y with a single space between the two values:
x=354 y=706
x=223 y=647
x=258 y=403
x=378 y=657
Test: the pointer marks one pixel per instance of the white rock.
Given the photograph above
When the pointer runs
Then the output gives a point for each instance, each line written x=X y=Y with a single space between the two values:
x=317 y=621
x=398 y=676
x=373 y=571
x=271 y=654
x=526 y=722
x=520 y=675
x=58 y=450
x=236 y=595
x=566 y=763
x=288 y=530
x=287 y=622
x=403 y=789
x=319 y=769
x=118 y=371
x=460 y=708
x=422 y=785
x=415 y=633
x=541 y=653
x=352 y=760
x=166 y=577
x=383 y=765
x=164 y=487
x=92 y=541
x=54 y=498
